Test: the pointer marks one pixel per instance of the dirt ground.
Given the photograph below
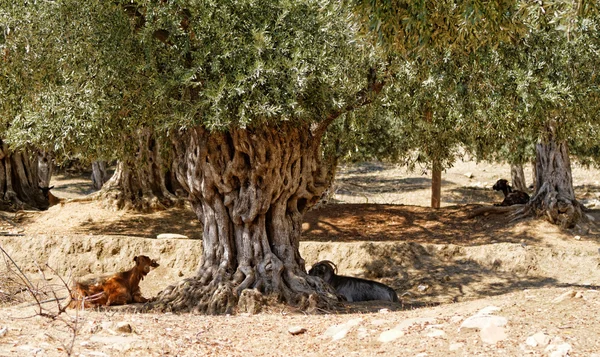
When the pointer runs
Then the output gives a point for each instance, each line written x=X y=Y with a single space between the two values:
x=445 y=266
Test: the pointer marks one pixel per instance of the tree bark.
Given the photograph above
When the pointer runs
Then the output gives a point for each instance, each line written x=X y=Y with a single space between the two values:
x=517 y=176
x=45 y=168
x=19 y=181
x=140 y=181
x=554 y=197
x=99 y=174
x=436 y=185
x=250 y=188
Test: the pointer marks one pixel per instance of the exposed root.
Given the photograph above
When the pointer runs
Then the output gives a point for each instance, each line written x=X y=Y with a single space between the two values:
x=484 y=210
x=219 y=296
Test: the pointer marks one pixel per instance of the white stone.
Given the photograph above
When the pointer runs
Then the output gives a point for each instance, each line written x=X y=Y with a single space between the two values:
x=538 y=339
x=390 y=335
x=337 y=332
x=469 y=174
x=479 y=322
x=296 y=330
x=561 y=350
x=171 y=236
x=488 y=310
x=492 y=334
x=3 y=331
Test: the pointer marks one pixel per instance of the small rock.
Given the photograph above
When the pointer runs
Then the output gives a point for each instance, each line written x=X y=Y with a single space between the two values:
x=422 y=287
x=171 y=236
x=337 y=332
x=422 y=354
x=480 y=322
x=489 y=310
x=469 y=174
x=296 y=330
x=124 y=327
x=539 y=339
x=565 y=296
x=390 y=335
x=3 y=331
x=384 y=311
x=492 y=334
x=561 y=350
x=579 y=295
x=577 y=237
x=456 y=346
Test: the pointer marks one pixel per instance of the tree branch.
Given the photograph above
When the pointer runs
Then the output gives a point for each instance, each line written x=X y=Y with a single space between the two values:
x=363 y=97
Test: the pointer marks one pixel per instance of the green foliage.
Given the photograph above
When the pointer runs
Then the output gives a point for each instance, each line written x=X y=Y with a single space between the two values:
x=95 y=72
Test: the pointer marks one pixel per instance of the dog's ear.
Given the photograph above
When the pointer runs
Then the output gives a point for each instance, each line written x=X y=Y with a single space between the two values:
x=135 y=259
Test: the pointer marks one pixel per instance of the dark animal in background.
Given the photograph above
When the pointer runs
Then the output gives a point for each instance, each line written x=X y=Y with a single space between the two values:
x=119 y=289
x=52 y=200
x=511 y=197
x=351 y=288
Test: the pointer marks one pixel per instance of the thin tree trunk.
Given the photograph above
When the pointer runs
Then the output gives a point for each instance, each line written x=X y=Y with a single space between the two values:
x=45 y=168
x=436 y=185
x=19 y=181
x=250 y=189
x=517 y=175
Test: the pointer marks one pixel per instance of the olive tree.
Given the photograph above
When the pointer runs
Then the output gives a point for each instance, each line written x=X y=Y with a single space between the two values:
x=239 y=93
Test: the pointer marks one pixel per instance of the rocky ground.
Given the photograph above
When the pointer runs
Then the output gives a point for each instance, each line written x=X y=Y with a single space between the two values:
x=469 y=286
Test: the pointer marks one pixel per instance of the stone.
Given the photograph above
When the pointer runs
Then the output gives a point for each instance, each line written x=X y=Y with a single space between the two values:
x=480 y=322
x=337 y=332
x=492 y=334
x=561 y=350
x=489 y=310
x=390 y=335
x=296 y=330
x=538 y=339
x=565 y=296
x=171 y=236
x=3 y=331
x=124 y=327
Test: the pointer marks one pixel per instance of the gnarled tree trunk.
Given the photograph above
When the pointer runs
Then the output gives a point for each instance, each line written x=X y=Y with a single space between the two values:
x=19 y=181
x=250 y=189
x=140 y=181
x=517 y=176
x=554 y=197
x=99 y=174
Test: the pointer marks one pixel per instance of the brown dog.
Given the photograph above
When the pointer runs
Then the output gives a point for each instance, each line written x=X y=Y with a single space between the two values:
x=119 y=289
